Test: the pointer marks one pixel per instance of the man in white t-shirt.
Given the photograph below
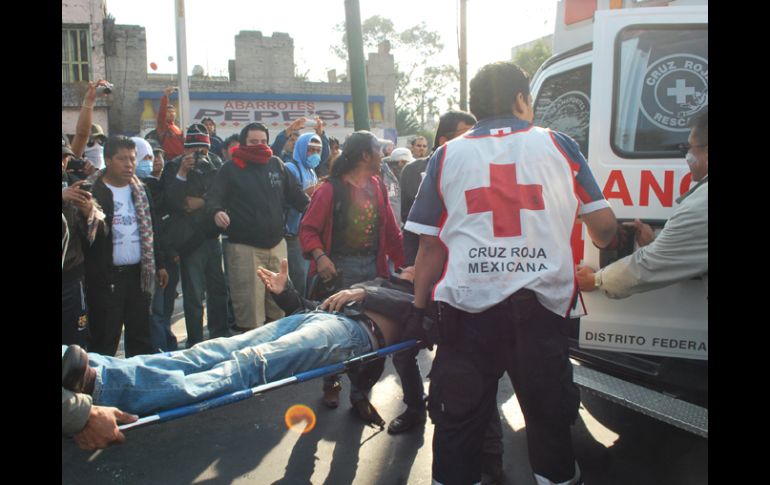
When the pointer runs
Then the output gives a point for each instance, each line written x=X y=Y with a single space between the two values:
x=121 y=265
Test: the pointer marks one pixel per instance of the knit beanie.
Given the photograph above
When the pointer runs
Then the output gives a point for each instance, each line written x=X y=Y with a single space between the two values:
x=197 y=136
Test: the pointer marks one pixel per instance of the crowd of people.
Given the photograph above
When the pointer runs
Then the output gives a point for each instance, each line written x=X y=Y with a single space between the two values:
x=278 y=239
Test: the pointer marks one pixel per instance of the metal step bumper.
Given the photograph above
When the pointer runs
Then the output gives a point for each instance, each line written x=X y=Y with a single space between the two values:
x=668 y=409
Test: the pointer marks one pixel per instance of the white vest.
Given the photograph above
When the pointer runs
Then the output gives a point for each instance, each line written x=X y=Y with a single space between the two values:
x=511 y=208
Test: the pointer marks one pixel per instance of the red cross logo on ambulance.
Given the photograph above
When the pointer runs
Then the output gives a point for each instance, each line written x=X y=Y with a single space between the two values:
x=675 y=88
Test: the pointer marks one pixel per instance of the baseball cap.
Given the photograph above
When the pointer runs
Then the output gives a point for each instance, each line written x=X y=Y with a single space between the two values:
x=65 y=146
x=156 y=146
x=96 y=132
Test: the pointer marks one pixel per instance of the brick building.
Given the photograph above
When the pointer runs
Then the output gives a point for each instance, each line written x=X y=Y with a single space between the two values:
x=261 y=86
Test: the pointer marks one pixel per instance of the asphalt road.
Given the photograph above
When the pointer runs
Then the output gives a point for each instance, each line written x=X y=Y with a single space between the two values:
x=248 y=443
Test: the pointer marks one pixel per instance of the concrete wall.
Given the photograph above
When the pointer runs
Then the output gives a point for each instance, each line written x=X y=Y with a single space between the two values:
x=91 y=13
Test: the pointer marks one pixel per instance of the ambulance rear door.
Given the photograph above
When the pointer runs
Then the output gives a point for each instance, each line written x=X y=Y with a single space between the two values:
x=654 y=62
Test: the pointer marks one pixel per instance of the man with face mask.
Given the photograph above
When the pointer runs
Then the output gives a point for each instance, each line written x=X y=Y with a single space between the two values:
x=306 y=157
x=95 y=147
x=247 y=202
x=681 y=250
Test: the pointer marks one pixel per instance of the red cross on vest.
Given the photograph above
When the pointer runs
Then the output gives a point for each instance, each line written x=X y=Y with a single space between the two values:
x=506 y=199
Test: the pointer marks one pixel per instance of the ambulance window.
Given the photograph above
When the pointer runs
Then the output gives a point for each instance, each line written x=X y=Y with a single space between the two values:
x=661 y=83
x=564 y=104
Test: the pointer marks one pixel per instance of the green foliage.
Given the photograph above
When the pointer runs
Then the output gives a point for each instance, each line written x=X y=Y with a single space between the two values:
x=531 y=58
x=423 y=89
x=406 y=123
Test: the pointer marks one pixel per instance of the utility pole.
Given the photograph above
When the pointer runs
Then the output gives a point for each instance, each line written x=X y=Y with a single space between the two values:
x=463 y=57
x=357 y=67
x=181 y=57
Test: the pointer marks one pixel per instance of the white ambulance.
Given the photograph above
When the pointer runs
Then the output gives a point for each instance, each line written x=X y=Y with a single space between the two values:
x=625 y=81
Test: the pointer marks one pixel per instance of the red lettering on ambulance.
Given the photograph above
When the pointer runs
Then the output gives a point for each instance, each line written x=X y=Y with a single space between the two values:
x=665 y=195
x=616 y=177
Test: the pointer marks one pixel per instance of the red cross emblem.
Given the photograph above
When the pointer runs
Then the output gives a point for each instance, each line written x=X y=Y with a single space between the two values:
x=505 y=198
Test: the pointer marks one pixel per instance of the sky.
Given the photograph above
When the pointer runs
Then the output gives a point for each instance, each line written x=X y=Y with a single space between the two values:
x=493 y=26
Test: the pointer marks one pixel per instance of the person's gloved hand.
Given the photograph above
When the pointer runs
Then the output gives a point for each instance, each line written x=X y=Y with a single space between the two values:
x=414 y=328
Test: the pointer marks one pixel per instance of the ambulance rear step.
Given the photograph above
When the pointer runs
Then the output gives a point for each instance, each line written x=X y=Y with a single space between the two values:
x=663 y=407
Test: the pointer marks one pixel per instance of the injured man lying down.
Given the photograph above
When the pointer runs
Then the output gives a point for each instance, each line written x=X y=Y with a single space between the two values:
x=350 y=323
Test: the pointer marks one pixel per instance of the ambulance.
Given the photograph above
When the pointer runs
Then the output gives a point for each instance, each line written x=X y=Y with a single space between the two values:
x=626 y=79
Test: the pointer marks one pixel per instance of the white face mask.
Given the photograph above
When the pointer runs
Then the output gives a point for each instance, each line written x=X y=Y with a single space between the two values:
x=690 y=159
x=96 y=155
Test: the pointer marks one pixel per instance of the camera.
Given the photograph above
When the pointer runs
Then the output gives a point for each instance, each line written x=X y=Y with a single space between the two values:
x=106 y=89
x=76 y=165
x=86 y=187
x=309 y=123
x=201 y=160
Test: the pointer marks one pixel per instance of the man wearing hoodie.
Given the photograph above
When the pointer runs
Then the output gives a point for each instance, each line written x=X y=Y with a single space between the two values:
x=247 y=201
x=283 y=146
x=306 y=157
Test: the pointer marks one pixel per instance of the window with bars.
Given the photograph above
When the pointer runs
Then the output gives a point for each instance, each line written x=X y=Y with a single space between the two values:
x=75 y=54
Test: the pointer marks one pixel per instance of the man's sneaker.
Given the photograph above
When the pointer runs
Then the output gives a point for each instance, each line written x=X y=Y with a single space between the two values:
x=331 y=397
x=76 y=374
x=406 y=421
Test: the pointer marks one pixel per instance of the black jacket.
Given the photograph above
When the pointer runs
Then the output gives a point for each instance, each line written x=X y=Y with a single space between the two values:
x=254 y=198
x=183 y=231
x=390 y=297
x=99 y=254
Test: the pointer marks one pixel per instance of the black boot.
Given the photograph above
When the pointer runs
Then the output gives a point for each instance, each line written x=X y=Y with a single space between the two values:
x=406 y=421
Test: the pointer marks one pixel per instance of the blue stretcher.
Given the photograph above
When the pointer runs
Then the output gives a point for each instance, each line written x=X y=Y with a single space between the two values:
x=190 y=409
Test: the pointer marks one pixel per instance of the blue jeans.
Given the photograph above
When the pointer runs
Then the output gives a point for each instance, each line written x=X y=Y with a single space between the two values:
x=355 y=269
x=162 y=308
x=294 y=344
x=203 y=278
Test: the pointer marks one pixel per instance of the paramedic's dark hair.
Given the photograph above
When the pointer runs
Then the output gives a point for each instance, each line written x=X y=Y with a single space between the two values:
x=115 y=143
x=701 y=126
x=494 y=88
x=447 y=124
x=252 y=127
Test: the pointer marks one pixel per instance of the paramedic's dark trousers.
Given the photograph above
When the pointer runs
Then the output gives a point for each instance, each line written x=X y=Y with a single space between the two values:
x=519 y=336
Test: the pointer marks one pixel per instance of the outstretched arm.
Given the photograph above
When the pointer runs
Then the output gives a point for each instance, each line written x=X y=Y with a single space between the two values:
x=282 y=290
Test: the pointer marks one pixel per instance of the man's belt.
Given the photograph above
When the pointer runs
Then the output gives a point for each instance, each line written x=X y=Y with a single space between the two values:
x=372 y=328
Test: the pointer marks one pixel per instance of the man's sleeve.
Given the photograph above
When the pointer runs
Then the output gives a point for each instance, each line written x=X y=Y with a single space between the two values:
x=160 y=124
x=174 y=189
x=216 y=195
x=316 y=217
x=410 y=182
x=290 y=300
x=279 y=143
x=295 y=195
x=325 y=150
x=678 y=253
x=390 y=302
x=428 y=208
x=75 y=409
x=588 y=191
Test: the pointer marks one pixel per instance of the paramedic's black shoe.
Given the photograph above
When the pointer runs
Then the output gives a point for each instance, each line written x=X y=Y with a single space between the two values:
x=406 y=421
x=368 y=413
x=331 y=397
x=76 y=375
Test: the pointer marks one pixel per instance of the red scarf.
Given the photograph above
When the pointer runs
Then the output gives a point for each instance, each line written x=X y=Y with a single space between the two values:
x=251 y=154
